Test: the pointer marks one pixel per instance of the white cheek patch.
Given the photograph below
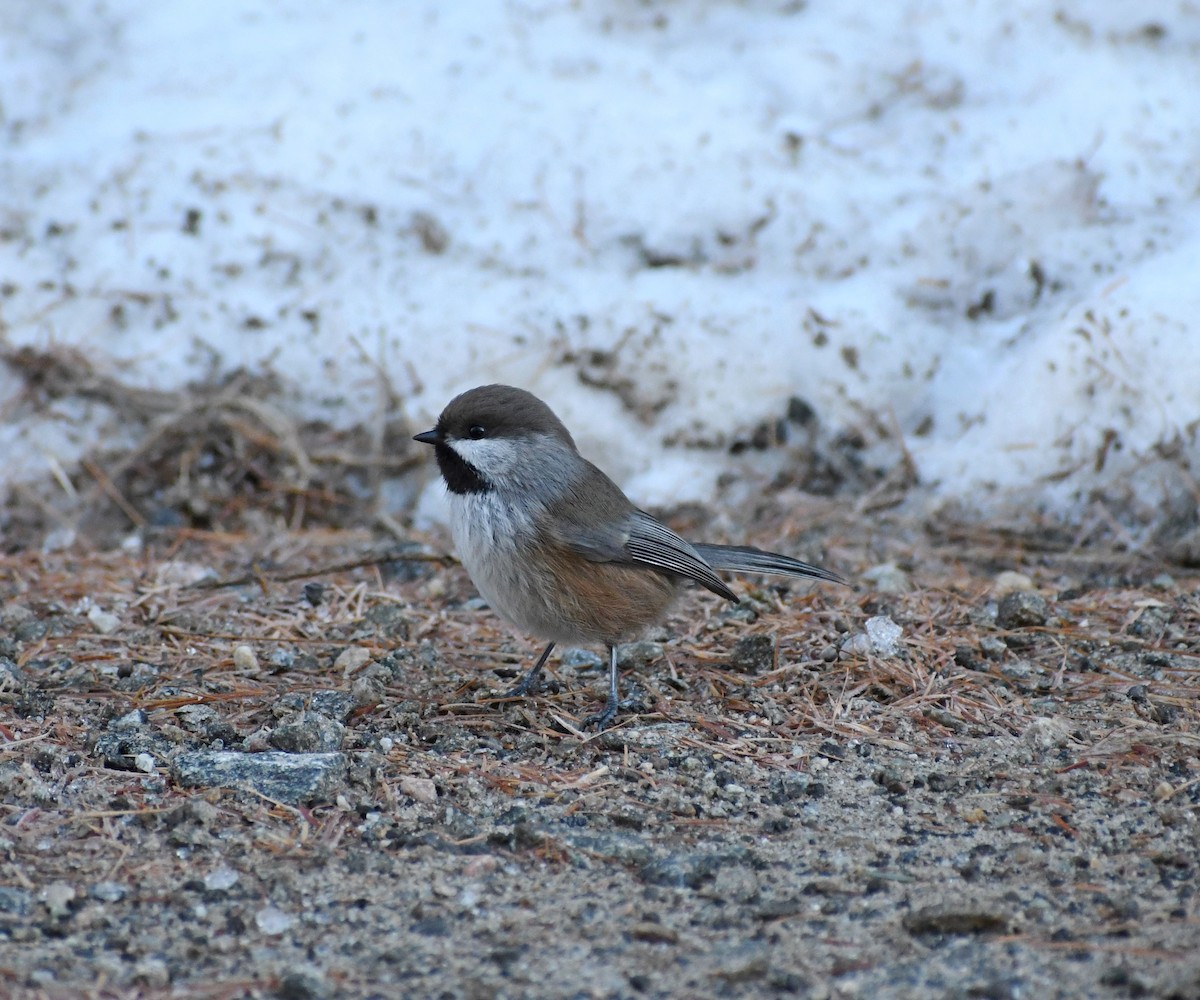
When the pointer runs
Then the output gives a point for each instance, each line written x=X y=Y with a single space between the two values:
x=488 y=456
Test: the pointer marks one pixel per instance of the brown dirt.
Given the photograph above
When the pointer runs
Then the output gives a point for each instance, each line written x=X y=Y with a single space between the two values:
x=1006 y=807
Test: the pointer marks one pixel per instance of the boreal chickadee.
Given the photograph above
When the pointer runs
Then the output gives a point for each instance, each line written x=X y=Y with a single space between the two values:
x=553 y=544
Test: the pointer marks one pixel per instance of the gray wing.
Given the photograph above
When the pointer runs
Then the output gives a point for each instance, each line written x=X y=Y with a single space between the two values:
x=653 y=543
x=639 y=539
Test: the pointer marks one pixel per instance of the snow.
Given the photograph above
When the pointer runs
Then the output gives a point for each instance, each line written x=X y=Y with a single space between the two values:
x=976 y=224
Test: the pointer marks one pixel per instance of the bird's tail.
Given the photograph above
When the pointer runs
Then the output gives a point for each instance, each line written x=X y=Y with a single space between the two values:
x=744 y=559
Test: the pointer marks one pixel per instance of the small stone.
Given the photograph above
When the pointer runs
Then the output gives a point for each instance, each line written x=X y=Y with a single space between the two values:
x=244 y=658
x=184 y=573
x=350 y=659
x=31 y=631
x=314 y=593
x=884 y=635
x=145 y=763
x=58 y=539
x=221 y=879
x=744 y=963
x=955 y=919
x=888 y=578
x=993 y=648
x=754 y=653
x=1163 y=791
x=292 y=778
x=366 y=692
x=153 y=972
x=586 y=658
x=103 y=622
x=1047 y=733
x=308 y=732
x=196 y=718
x=15 y=901
x=1022 y=609
x=635 y=655
x=58 y=897
x=653 y=933
x=302 y=984
x=10 y=675
x=130 y=720
x=12 y=615
x=1010 y=581
x=334 y=704
x=389 y=621
x=881 y=636
x=271 y=920
x=419 y=789
x=484 y=864
x=281 y=659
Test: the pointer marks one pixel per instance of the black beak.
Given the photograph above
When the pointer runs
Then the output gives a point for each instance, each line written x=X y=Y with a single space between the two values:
x=428 y=437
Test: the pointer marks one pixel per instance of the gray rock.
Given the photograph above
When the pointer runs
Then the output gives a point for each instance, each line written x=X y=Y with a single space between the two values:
x=389 y=621
x=307 y=732
x=754 y=653
x=293 y=778
x=1022 y=609
x=635 y=655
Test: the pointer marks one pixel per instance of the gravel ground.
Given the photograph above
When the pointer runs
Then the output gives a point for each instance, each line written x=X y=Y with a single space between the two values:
x=234 y=766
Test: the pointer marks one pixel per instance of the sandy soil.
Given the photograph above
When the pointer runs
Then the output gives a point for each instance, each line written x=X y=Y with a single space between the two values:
x=1005 y=805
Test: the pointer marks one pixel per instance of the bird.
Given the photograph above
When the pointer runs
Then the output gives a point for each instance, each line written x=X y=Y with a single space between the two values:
x=552 y=543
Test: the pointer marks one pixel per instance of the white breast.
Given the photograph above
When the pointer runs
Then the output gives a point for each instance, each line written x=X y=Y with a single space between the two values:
x=492 y=539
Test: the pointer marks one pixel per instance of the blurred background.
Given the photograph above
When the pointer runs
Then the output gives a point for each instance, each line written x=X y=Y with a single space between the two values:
x=935 y=254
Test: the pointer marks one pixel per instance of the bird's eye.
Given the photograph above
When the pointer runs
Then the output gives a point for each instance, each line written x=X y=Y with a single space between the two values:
x=476 y=431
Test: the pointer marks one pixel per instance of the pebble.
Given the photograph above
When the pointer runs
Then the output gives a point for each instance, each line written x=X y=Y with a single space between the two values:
x=302 y=984
x=1010 y=581
x=634 y=655
x=184 y=573
x=130 y=720
x=484 y=864
x=389 y=621
x=1022 y=609
x=292 y=778
x=955 y=919
x=154 y=972
x=103 y=622
x=754 y=653
x=308 y=732
x=58 y=539
x=881 y=636
x=419 y=789
x=145 y=763
x=586 y=658
x=652 y=933
x=272 y=920
x=1047 y=733
x=16 y=901
x=333 y=703
x=350 y=659
x=888 y=578
x=58 y=897
x=244 y=658
x=30 y=631
x=221 y=879
x=993 y=648
x=10 y=674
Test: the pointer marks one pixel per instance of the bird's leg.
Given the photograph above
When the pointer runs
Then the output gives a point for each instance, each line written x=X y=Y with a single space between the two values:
x=532 y=680
x=602 y=718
